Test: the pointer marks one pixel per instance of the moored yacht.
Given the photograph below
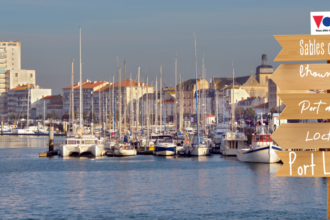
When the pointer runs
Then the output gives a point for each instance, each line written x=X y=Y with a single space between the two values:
x=198 y=148
x=232 y=142
x=164 y=146
x=82 y=144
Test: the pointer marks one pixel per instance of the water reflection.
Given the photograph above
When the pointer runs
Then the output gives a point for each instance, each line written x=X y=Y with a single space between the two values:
x=149 y=187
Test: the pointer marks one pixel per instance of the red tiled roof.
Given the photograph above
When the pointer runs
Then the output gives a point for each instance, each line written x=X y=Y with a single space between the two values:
x=86 y=85
x=207 y=116
x=22 y=87
x=50 y=96
x=122 y=84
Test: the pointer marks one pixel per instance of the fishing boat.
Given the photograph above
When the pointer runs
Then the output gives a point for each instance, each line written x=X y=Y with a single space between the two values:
x=262 y=150
x=165 y=146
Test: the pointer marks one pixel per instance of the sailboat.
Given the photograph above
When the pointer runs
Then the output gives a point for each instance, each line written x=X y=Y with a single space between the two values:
x=121 y=148
x=80 y=143
x=198 y=146
x=233 y=140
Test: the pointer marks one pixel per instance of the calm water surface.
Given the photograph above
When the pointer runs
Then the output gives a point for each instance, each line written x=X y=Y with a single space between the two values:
x=148 y=187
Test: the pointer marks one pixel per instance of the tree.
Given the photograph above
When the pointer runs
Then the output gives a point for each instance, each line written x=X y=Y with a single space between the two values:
x=40 y=116
x=49 y=115
x=239 y=112
x=272 y=111
x=250 y=112
x=65 y=116
x=84 y=115
x=57 y=116
x=12 y=116
x=90 y=115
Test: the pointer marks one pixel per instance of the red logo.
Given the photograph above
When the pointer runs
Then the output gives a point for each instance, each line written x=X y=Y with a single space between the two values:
x=318 y=20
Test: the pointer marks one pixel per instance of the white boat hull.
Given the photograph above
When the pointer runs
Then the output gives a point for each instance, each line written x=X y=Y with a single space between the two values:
x=124 y=152
x=198 y=151
x=259 y=155
x=95 y=150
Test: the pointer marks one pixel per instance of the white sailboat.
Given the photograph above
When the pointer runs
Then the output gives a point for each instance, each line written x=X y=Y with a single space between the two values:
x=122 y=149
x=198 y=146
x=80 y=143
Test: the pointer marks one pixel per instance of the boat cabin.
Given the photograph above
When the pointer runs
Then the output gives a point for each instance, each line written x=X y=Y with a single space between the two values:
x=261 y=140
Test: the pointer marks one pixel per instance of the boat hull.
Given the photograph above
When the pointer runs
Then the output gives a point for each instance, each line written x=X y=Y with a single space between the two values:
x=259 y=155
x=125 y=152
x=165 y=151
x=198 y=151
x=68 y=150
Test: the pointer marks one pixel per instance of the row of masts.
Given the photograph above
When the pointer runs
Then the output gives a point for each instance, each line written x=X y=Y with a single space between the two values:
x=179 y=92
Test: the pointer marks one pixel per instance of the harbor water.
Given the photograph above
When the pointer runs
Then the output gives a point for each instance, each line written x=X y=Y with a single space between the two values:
x=148 y=187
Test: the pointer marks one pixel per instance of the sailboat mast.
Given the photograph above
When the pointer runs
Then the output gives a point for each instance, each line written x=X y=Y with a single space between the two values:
x=181 y=105
x=196 y=93
x=137 y=100
x=161 y=99
x=28 y=105
x=80 y=89
x=233 y=102
x=147 y=108
x=203 y=96
x=72 y=94
x=131 y=105
x=176 y=94
x=113 y=104
x=125 y=100
x=156 y=106
x=119 y=102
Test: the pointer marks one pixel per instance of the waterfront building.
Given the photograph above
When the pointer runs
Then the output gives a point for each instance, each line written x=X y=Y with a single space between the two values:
x=188 y=89
x=51 y=104
x=11 y=74
x=105 y=93
x=88 y=91
x=18 y=98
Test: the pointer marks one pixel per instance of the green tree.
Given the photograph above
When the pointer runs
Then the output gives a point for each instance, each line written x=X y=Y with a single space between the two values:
x=250 y=112
x=273 y=110
x=49 y=115
x=57 y=116
x=84 y=115
x=239 y=112
x=12 y=116
x=40 y=116
x=65 y=116
x=90 y=115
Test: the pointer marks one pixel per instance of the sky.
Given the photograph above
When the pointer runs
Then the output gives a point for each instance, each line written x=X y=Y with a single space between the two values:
x=147 y=33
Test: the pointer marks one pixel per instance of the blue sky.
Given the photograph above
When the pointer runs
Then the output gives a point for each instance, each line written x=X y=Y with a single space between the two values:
x=149 y=33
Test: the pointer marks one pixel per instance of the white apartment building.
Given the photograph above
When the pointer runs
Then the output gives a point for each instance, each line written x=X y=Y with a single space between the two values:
x=18 y=98
x=11 y=74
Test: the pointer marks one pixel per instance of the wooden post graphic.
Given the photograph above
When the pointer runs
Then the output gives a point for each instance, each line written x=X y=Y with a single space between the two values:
x=304 y=106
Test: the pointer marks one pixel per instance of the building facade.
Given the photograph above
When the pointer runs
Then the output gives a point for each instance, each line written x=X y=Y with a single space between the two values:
x=19 y=97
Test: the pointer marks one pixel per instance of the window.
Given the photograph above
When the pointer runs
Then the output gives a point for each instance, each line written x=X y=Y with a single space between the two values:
x=12 y=58
x=16 y=74
x=13 y=53
x=31 y=75
x=189 y=102
x=12 y=64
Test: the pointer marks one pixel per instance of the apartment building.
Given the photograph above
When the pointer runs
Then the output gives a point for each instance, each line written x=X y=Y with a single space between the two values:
x=89 y=89
x=19 y=97
x=11 y=74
